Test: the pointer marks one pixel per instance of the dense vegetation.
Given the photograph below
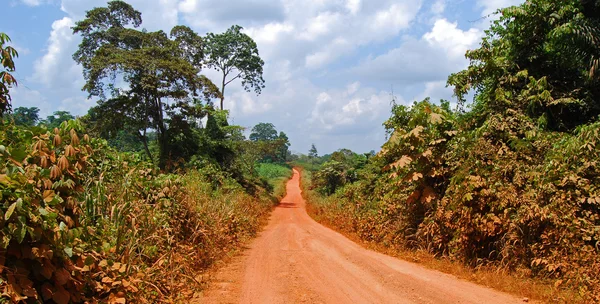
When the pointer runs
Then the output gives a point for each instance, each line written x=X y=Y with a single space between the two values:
x=511 y=183
x=133 y=201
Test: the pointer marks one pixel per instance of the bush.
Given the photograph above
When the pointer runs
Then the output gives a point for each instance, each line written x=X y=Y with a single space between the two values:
x=82 y=222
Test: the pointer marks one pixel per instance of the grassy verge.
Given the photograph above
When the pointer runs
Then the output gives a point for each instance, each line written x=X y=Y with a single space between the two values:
x=333 y=213
x=276 y=176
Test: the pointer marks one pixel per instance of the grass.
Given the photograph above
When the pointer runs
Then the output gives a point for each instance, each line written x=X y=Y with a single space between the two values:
x=327 y=211
x=275 y=175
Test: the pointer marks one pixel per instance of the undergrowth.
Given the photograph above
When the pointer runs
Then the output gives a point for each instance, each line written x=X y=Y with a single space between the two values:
x=84 y=223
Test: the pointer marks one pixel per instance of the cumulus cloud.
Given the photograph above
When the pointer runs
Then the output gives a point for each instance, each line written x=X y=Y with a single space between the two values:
x=156 y=15
x=23 y=96
x=56 y=67
x=217 y=15
x=451 y=39
x=325 y=60
x=438 y=53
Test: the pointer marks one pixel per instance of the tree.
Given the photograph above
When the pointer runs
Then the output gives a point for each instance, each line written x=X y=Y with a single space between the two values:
x=312 y=153
x=263 y=132
x=57 y=118
x=235 y=55
x=538 y=58
x=155 y=68
x=26 y=116
x=284 y=146
x=7 y=55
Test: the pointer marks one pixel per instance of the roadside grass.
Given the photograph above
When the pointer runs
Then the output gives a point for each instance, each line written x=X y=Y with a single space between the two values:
x=329 y=211
x=276 y=175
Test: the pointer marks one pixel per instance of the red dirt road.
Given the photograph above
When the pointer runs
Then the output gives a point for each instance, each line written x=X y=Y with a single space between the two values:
x=297 y=260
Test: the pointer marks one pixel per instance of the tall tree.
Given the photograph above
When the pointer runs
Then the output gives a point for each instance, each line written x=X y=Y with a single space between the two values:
x=313 y=153
x=155 y=68
x=26 y=116
x=263 y=132
x=7 y=55
x=235 y=55
x=284 y=146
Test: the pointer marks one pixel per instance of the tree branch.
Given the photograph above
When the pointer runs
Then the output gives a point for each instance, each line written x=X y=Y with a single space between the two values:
x=234 y=78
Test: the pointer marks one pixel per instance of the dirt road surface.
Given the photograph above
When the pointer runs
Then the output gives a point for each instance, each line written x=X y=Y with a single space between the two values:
x=297 y=260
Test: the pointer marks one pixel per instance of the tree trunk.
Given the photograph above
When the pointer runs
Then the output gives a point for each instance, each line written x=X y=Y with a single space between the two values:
x=223 y=90
x=144 y=140
x=162 y=139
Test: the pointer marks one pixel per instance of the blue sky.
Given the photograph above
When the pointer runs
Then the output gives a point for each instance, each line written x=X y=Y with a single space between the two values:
x=330 y=64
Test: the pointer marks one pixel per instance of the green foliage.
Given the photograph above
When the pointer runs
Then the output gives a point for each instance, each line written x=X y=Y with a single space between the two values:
x=155 y=68
x=235 y=55
x=273 y=171
x=263 y=131
x=56 y=119
x=82 y=222
x=26 y=116
x=275 y=176
x=537 y=58
x=7 y=56
x=313 y=153
x=270 y=146
x=502 y=192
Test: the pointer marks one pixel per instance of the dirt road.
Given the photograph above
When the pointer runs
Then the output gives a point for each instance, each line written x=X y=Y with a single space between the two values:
x=297 y=260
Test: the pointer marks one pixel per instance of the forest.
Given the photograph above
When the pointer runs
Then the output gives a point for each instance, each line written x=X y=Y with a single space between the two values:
x=137 y=199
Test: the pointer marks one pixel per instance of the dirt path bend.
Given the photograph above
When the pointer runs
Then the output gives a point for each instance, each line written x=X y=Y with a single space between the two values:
x=297 y=260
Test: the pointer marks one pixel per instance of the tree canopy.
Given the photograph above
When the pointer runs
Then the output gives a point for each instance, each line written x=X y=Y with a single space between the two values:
x=24 y=116
x=235 y=55
x=155 y=69
x=313 y=153
x=539 y=58
x=263 y=131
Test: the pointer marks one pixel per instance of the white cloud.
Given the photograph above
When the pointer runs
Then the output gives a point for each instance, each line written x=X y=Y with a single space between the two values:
x=313 y=91
x=22 y=96
x=452 y=39
x=269 y=33
x=50 y=68
x=438 y=53
x=353 y=6
x=156 y=15
x=438 y=7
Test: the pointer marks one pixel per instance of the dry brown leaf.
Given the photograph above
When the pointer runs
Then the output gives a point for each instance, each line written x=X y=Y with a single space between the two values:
x=61 y=276
x=402 y=162
x=61 y=296
x=435 y=118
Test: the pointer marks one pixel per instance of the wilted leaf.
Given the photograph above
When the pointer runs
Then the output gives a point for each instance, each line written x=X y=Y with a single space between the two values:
x=10 y=211
x=49 y=196
x=47 y=291
x=62 y=276
x=107 y=280
x=402 y=162
x=435 y=118
x=61 y=296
